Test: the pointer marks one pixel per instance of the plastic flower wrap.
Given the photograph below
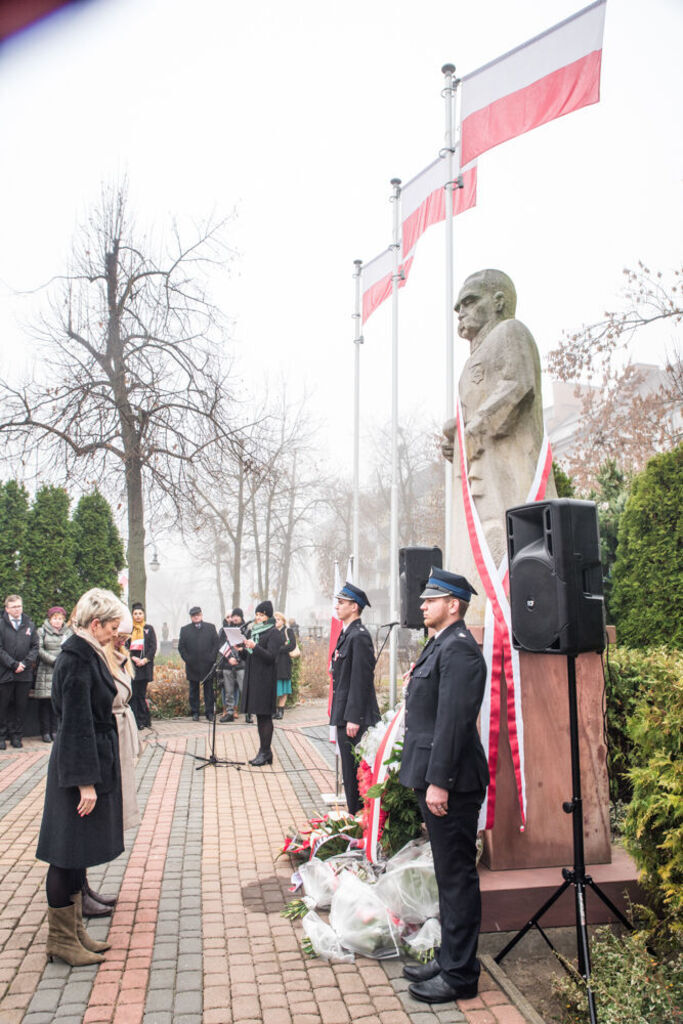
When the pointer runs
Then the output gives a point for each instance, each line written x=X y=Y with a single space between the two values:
x=326 y=837
x=322 y=940
x=369 y=742
x=408 y=887
x=422 y=943
x=361 y=920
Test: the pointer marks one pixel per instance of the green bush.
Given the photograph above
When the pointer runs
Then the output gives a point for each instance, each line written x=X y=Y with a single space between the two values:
x=653 y=827
x=630 y=675
x=629 y=985
x=647 y=596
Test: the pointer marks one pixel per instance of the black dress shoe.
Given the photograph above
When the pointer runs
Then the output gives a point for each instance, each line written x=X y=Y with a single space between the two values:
x=422 y=972
x=262 y=759
x=3 y=745
x=46 y=737
x=437 y=990
x=16 y=741
x=248 y=719
x=227 y=717
x=195 y=718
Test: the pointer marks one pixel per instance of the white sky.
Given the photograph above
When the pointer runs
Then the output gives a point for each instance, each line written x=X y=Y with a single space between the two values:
x=297 y=116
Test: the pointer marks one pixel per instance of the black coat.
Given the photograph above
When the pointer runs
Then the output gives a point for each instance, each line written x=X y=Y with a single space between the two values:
x=17 y=645
x=260 y=674
x=284 y=662
x=145 y=673
x=353 y=678
x=85 y=752
x=441 y=745
x=198 y=647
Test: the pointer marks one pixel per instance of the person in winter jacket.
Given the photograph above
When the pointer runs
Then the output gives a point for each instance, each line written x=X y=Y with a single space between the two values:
x=51 y=635
x=18 y=658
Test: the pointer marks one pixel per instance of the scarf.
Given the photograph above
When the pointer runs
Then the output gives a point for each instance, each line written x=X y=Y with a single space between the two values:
x=138 y=631
x=259 y=629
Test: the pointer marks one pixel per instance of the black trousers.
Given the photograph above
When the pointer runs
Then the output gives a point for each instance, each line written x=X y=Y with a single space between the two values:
x=13 y=703
x=208 y=695
x=349 y=766
x=138 y=703
x=454 y=848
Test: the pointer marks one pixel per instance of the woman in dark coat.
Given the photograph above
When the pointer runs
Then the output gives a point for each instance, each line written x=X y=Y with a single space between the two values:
x=142 y=646
x=82 y=818
x=260 y=677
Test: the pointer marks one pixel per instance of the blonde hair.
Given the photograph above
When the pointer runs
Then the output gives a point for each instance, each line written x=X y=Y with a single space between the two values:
x=98 y=604
x=280 y=615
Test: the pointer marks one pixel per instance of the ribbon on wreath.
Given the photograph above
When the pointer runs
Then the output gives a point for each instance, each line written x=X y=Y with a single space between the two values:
x=380 y=770
x=502 y=660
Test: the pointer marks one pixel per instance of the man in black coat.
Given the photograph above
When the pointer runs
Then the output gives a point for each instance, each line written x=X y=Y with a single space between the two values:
x=198 y=647
x=444 y=762
x=354 y=702
x=18 y=658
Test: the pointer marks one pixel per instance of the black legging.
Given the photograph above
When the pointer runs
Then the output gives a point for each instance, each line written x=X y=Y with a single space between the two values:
x=62 y=883
x=265 y=732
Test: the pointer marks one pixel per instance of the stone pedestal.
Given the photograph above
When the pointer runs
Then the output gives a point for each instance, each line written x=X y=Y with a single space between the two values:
x=547 y=838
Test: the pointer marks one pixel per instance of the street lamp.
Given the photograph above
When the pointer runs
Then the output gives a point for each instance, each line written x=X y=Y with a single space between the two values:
x=155 y=564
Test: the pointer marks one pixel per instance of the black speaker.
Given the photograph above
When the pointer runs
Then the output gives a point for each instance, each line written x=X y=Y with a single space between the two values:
x=413 y=572
x=556 y=601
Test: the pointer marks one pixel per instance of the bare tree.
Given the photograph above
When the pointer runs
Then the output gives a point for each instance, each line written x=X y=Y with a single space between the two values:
x=133 y=389
x=625 y=417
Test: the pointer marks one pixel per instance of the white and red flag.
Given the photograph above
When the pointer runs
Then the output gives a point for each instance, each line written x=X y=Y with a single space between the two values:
x=377 y=276
x=423 y=199
x=335 y=630
x=553 y=74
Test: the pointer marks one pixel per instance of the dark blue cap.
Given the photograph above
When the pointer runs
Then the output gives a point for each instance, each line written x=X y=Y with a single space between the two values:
x=351 y=593
x=447 y=584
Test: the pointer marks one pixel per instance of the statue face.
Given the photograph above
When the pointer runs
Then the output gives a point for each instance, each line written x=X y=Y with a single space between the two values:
x=476 y=306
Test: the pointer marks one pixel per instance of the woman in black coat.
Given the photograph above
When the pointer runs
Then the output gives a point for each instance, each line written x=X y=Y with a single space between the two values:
x=260 y=677
x=142 y=645
x=82 y=818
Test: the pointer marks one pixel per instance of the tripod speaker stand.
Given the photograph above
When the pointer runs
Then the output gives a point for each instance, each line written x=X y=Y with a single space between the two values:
x=556 y=607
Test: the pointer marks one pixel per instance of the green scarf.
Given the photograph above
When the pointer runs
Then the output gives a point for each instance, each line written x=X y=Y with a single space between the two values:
x=259 y=629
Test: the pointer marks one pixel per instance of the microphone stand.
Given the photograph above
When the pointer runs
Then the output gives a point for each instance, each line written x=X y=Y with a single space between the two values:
x=212 y=759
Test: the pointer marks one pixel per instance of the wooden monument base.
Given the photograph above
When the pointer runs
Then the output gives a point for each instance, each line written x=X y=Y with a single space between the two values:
x=547 y=837
x=510 y=898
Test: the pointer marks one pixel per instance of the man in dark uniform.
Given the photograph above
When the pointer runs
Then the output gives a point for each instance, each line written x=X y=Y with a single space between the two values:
x=444 y=762
x=354 y=702
x=18 y=658
x=198 y=647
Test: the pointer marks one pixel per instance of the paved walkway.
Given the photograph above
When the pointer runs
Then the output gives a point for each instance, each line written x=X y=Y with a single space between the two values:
x=197 y=936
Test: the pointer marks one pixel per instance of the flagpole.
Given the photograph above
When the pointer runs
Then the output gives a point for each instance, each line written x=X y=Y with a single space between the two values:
x=393 y=541
x=448 y=71
x=357 y=341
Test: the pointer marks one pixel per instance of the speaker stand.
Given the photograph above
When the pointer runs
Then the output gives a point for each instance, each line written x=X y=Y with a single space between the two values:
x=576 y=875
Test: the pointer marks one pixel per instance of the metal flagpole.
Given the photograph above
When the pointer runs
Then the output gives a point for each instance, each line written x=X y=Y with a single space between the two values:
x=448 y=93
x=393 y=541
x=358 y=341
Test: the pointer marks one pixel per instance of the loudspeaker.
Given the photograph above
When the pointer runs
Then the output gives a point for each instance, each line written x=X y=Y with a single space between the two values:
x=556 y=599
x=413 y=572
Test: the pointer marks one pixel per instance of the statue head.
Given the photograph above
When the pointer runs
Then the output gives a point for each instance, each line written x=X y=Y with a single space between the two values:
x=485 y=299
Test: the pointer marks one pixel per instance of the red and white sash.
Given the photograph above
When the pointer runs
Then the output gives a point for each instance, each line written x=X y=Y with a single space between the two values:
x=379 y=773
x=502 y=660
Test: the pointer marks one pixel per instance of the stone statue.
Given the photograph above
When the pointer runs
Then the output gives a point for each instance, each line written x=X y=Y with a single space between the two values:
x=500 y=396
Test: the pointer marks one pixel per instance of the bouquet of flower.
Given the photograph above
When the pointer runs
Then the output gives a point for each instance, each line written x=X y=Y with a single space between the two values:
x=361 y=921
x=409 y=887
x=325 y=837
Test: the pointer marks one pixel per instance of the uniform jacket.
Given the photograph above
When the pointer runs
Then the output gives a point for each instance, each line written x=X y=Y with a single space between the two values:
x=260 y=675
x=441 y=745
x=145 y=673
x=353 y=678
x=198 y=647
x=50 y=643
x=17 y=645
x=85 y=752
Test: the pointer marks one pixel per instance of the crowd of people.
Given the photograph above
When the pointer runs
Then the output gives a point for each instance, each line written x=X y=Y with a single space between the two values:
x=89 y=672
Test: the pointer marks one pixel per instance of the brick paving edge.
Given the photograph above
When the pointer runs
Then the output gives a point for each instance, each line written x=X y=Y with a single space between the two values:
x=511 y=991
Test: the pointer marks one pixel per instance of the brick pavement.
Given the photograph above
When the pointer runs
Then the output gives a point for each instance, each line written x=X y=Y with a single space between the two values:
x=197 y=936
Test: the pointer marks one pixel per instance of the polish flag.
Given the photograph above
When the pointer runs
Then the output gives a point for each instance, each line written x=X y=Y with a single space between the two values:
x=335 y=630
x=423 y=199
x=377 y=279
x=547 y=77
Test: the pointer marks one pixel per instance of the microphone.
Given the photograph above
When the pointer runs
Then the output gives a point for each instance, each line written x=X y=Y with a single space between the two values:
x=386 y=624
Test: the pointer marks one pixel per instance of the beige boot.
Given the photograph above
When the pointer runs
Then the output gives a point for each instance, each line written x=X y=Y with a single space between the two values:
x=86 y=940
x=62 y=939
